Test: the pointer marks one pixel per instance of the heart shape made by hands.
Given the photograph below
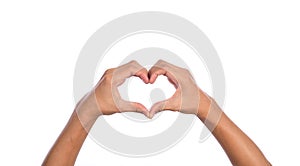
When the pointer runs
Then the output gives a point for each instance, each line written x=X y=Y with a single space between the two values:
x=147 y=94
x=185 y=98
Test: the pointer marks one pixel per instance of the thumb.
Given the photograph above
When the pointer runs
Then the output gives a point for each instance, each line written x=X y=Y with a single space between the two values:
x=157 y=107
x=138 y=107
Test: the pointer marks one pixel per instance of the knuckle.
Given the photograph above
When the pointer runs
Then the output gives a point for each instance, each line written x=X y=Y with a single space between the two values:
x=107 y=78
x=108 y=71
x=161 y=61
x=133 y=62
x=108 y=75
x=142 y=70
x=186 y=71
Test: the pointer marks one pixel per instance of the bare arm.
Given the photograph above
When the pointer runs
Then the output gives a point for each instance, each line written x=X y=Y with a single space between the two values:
x=240 y=149
x=68 y=144
x=102 y=100
x=190 y=99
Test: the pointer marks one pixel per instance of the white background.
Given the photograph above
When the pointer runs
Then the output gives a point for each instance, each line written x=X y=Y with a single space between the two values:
x=257 y=41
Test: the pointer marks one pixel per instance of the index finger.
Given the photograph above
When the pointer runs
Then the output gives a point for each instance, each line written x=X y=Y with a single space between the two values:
x=163 y=68
x=129 y=69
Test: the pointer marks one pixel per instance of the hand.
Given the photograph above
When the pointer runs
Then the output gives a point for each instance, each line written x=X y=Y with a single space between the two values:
x=188 y=98
x=105 y=99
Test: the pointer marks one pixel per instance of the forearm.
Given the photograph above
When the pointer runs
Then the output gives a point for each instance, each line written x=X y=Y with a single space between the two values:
x=99 y=101
x=68 y=144
x=240 y=149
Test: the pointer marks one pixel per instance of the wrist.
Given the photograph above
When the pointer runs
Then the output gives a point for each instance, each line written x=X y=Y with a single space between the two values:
x=86 y=120
x=204 y=105
x=211 y=116
x=87 y=110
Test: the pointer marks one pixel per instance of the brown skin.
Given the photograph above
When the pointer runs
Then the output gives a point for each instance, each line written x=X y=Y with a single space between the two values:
x=67 y=146
x=240 y=149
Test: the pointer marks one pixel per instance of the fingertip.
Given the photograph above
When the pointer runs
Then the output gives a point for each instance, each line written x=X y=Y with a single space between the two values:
x=143 y=74
x=142 y=109
x=152 y=112
x=153 y=78
x=145 y=112
x=151 y=115
x=147 y=115
x=145 y=79
x=150 y=81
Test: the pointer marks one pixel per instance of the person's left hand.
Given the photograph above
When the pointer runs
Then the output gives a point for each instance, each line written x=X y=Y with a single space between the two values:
x=186 y=98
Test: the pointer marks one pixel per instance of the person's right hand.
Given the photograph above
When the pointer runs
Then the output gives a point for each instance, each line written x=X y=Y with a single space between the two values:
x=188 y=98
x=104 y=98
